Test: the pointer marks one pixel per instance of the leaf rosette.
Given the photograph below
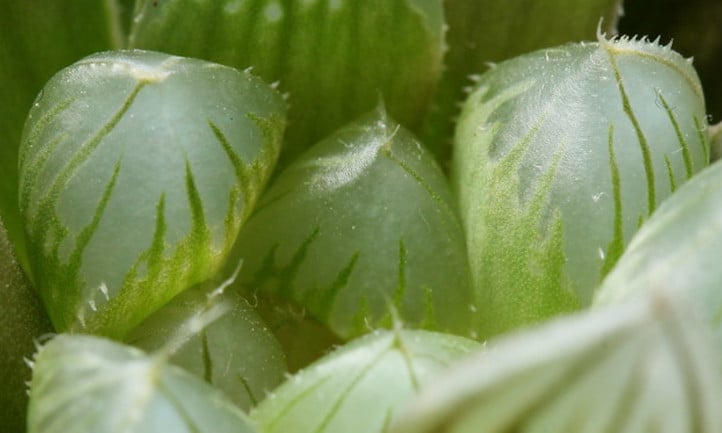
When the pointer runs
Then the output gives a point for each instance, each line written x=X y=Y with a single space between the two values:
x=137 y=170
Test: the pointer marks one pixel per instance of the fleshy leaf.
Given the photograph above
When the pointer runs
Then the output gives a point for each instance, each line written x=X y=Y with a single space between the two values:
x=645 y=366
x=234 y=351
x=359 y=230
x=22 y=319
x=85 y=384
x=677 y=251
x=560 y=155
x=137 y=170
x=358 y=387
x=335 y=59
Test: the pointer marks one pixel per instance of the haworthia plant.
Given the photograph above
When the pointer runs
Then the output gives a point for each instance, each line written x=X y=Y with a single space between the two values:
x=481 y=32
x=677 y=251
x=22 y=320
x=648 y=365
x=360 y=230
x=136 y=171
x=561 y=154
x=232 y=349
x=340 y=393
x=335 y=59
x=85 y=384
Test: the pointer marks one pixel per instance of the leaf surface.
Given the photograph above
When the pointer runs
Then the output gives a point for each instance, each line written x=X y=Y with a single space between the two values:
x=677 y=251
x=22 y=319
x=483 y=32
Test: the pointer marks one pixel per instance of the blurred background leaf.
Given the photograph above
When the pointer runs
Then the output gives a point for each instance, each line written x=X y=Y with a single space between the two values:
x=22 y=319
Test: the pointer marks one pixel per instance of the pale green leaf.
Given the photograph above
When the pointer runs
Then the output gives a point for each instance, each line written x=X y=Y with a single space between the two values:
x=358 y=387
x=677 y=251
x=137 y=170
x=359 y=230
x=39 y=37
x=645 y=366
x=560 y=155
x=481 y=32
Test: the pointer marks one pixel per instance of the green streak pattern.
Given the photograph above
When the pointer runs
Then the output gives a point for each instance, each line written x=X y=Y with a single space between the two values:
x=616 y=245
x=643 y=144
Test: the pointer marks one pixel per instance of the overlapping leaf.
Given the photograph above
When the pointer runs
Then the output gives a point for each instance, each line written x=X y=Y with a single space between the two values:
x=22 y=320
x=648 y=365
